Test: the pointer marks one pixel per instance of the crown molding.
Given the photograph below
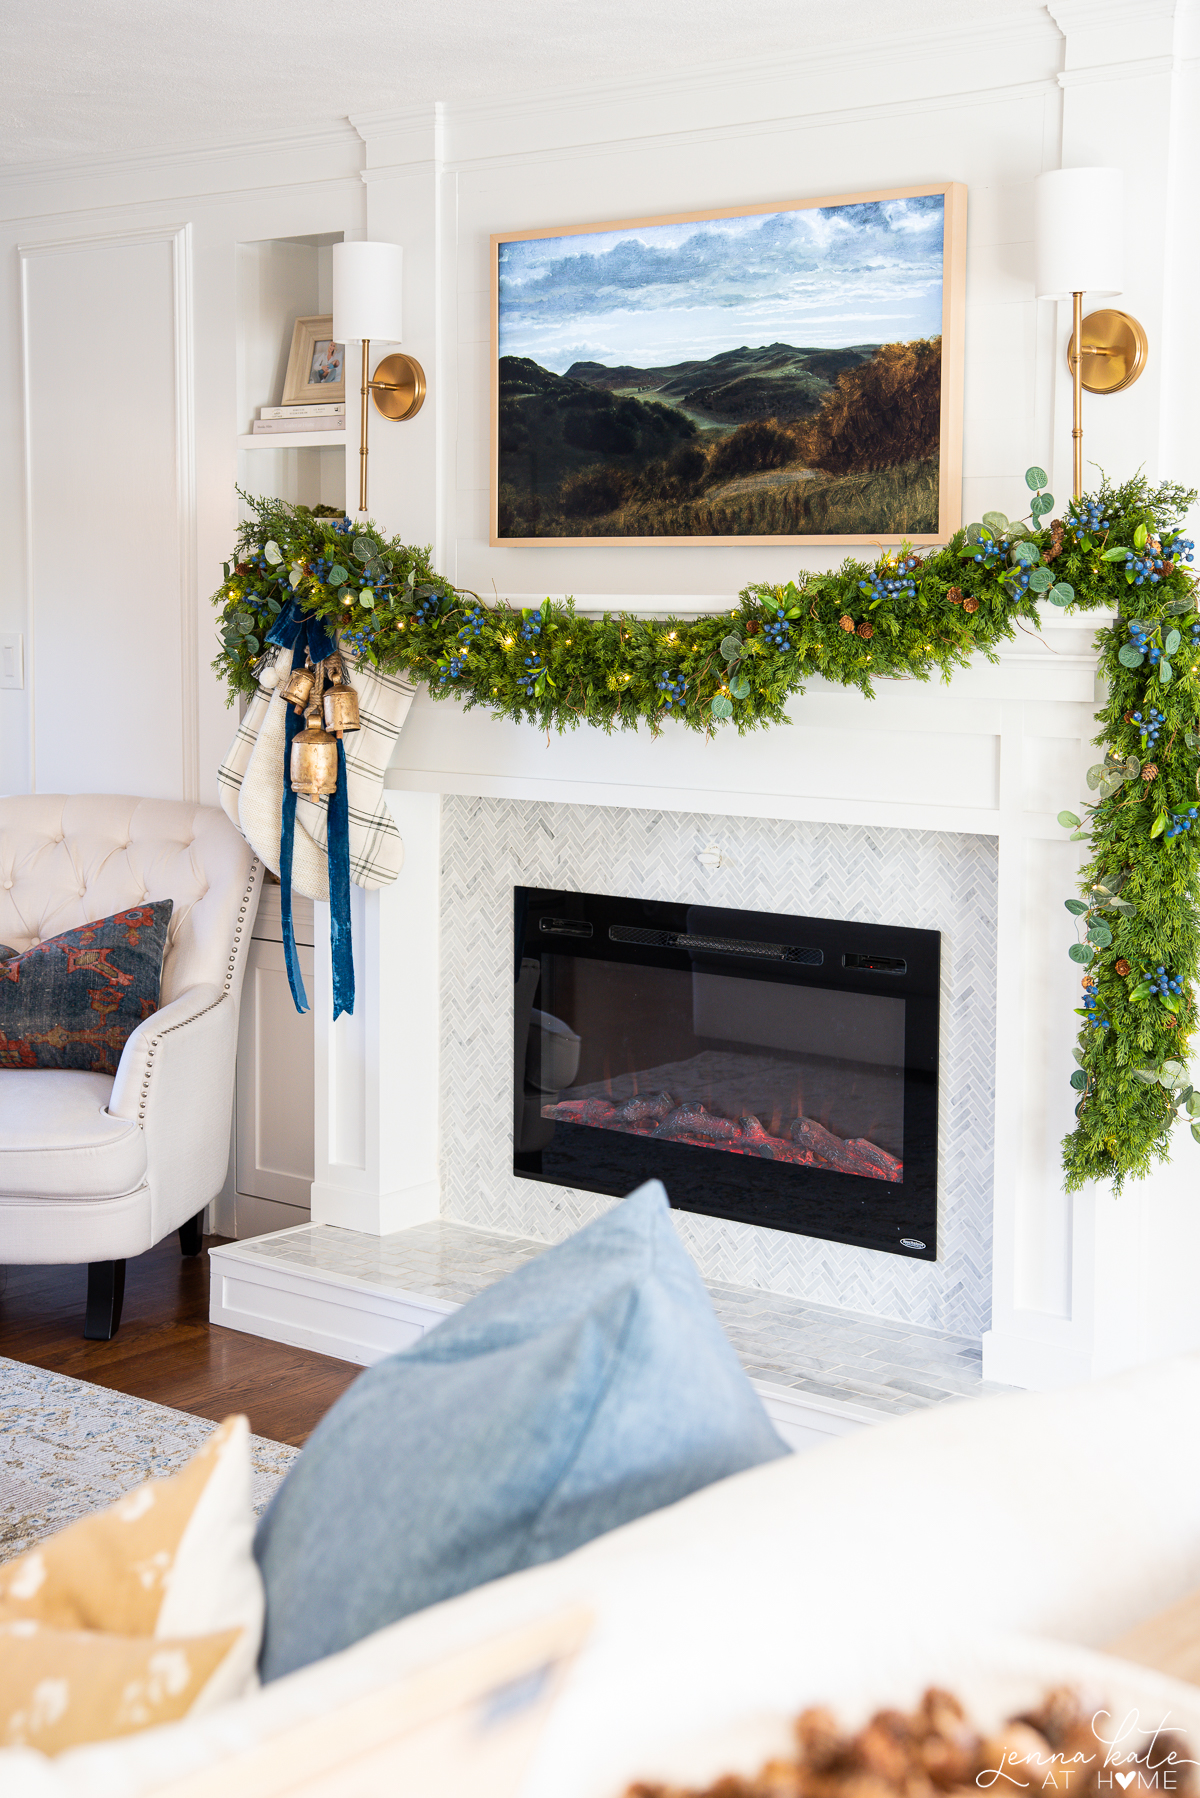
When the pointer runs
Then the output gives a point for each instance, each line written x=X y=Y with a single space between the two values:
x=121 y=164
x=813 y=69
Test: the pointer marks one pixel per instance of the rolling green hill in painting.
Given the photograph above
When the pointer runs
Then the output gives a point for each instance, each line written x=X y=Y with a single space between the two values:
x=777 y=440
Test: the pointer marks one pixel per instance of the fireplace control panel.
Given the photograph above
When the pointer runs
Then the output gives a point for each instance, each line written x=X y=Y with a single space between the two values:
x=875 y=964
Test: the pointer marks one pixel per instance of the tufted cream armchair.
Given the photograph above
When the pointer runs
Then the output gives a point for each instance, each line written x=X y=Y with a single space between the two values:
x=95 y=1169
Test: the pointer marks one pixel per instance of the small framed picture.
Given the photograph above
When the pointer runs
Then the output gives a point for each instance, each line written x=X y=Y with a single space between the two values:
x=316 y=367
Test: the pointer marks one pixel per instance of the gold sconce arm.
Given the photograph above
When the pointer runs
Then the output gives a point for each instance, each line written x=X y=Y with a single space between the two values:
x=400 y=394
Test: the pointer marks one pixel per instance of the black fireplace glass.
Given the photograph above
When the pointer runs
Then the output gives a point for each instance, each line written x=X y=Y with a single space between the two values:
x=771 y=1069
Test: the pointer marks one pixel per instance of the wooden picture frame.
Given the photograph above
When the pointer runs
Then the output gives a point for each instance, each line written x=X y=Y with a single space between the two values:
x=578 y=457
x=316 y=369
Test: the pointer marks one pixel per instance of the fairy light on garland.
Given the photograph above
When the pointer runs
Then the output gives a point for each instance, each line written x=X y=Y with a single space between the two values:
x=906 y=616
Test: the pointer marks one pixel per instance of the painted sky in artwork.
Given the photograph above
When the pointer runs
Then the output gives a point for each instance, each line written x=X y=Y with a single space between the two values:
x=655 y=294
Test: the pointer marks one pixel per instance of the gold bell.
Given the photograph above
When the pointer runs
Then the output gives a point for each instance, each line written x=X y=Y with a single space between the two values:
x=314 y=759
x=299 y=688
x=341 y=706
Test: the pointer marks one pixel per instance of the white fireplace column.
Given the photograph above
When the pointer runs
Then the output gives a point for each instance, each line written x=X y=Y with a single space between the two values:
x=376 y=1073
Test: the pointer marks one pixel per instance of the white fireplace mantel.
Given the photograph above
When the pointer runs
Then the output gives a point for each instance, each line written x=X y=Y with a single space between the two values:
x=1082 y=1284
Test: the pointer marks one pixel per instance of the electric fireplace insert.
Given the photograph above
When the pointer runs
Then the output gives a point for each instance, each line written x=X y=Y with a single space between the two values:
x=771 y=1069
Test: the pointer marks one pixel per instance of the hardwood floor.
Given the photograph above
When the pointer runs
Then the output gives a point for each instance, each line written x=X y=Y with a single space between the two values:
x=166 y=1349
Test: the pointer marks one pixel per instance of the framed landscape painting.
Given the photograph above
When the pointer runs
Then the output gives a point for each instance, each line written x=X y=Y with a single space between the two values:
x=773 y=374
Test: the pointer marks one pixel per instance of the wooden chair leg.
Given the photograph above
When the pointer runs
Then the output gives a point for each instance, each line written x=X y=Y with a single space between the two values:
x=105 y=1293
x=191 y=1237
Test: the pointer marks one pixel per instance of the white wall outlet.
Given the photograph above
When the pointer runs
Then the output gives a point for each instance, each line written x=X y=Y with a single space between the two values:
x=12 y=659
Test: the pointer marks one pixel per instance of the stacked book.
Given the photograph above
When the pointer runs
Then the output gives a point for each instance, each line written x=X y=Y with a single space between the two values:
x=276 y=420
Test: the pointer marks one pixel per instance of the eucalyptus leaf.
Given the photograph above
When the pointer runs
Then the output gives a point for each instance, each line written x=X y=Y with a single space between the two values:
x=1165 y=671
x=274 y=607
x=1077 y=836
x=1076 y=907
x=974 y=533
x=1041 y=580
x=731 y=648
x=337 y=576
x=996 y=522
x=1036 y=477
x=1123 y=907
x=1068 y=820
x=1017 y=530
x=1129 y=657
x=722 y=707
x=1026 y=554
x=252 y=644
x=1061 y=594
x=1079 y=1080
x=1147 y=1076
x=1096 y=773
x=367 y=598
x=273 y=553
x=1193 y=1104
x=1196 y=1131
x=1041 y=504
x=295 y=578
x=1081 y=953
x=1173 y=1068
x=1078 y=1054
x=1112 y=783
x=1178 y=607
x=740 y=688
x=1172 y=643
x=364 y=549
x=1100 y=936
x=1132 y=767
x=244 y=621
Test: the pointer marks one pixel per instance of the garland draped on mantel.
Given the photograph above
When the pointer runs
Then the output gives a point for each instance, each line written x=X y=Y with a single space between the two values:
x=906 y=615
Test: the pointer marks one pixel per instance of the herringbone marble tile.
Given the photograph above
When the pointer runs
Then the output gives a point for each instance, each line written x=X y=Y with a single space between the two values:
x=928 y=879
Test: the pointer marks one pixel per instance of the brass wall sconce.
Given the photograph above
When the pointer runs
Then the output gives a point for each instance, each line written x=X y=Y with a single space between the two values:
x=367 y=304
x=1078 y=228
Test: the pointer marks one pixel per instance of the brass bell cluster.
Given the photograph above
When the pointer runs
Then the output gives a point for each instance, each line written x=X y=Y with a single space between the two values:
x=330 y=710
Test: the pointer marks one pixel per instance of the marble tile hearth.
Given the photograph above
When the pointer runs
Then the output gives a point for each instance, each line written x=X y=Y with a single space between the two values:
x=861 y=1368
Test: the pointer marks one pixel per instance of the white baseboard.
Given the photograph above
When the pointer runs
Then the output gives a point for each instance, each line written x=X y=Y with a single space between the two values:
x=1034 y=1363
x=354 y=1320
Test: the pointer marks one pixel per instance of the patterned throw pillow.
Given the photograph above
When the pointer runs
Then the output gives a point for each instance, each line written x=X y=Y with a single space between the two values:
x=141 y=1614
x=72 y=1001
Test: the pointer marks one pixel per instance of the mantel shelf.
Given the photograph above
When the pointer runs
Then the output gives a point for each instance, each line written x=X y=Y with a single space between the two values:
x=268 y=440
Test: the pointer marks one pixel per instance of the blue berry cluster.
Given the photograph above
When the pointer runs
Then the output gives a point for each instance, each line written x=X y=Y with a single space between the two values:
x=527 y=682
x=358 y=641
x=454 y=668
x=428 y=608
x=1177 y=548
x=1017 y=580
x=1196 y=632
x=472 y=623
x=778 y=633
x=1181 y=821
x=1164 y=984
x=1092 y=1007
x=1151 y=725
x=1090 y=515
x=674 y=688
x=532 y=626
x=1144 y=565
x=1139 y=635
x=899 y=586
x=988 y=552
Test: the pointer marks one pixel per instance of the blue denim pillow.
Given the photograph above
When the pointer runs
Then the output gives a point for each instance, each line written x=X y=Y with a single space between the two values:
x=589 y=1387
x=72 y=1001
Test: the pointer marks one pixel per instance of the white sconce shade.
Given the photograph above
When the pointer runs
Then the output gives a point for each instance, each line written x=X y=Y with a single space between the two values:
x=1079 y=231
x=367 y=292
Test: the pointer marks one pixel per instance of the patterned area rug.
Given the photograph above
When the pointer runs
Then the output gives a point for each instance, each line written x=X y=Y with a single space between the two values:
x=67 y=1448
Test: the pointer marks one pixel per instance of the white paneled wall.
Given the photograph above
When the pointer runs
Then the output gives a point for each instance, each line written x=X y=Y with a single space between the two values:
x=111 y=500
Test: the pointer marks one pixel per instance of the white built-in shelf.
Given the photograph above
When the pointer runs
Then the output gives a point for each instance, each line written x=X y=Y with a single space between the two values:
x=293 y=440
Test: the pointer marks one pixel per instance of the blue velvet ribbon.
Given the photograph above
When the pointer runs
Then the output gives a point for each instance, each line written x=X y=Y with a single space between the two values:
x=298 y=631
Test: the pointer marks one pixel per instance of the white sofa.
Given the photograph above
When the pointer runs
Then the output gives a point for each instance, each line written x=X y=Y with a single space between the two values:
x=1072 y=1515
x=95 y=1169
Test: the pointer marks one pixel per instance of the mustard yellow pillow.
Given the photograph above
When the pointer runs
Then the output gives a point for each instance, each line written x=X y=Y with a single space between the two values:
x=141 y=1614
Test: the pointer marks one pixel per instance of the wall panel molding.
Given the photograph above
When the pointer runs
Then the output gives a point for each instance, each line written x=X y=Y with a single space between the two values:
x=44 y=418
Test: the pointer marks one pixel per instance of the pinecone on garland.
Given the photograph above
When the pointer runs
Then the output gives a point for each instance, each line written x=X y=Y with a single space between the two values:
x=866 y=631
x=1056 y=540
x=846 y=622
x=970 y=603
x=752 y=627
x=1121 y=967
x=954 y=595
x=1150 y=771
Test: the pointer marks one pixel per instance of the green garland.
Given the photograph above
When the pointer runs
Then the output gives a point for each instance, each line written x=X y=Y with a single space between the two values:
x=903 y=616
